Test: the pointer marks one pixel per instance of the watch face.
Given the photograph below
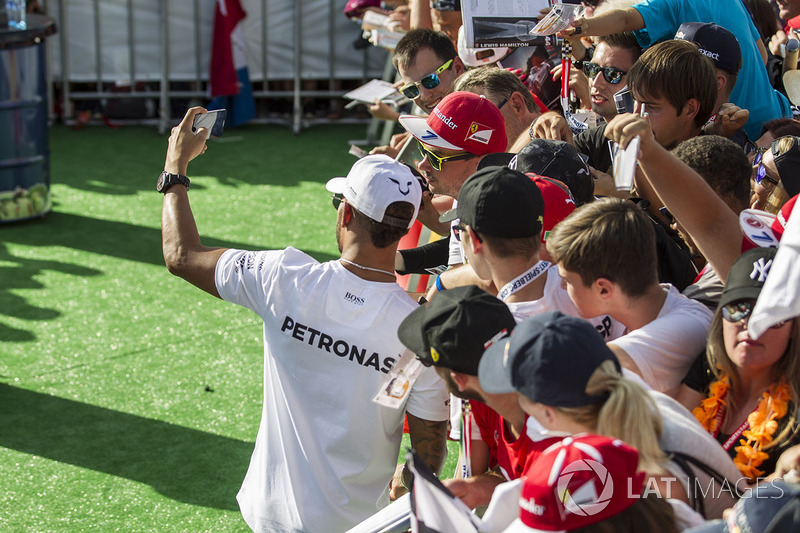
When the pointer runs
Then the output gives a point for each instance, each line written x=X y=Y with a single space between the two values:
x=160 y=182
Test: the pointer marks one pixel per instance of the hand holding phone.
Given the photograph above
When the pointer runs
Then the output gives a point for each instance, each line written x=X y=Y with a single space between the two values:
x=213 y=121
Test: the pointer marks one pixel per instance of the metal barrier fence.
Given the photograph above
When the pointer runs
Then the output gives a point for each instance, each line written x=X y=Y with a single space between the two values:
x=167 y=45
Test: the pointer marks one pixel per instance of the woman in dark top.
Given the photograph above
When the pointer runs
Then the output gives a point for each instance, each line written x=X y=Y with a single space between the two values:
x=751 y=407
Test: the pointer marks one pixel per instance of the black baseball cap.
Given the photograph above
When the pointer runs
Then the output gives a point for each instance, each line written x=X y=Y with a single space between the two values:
x=747 y=275
x=714 y=42
x=553 y=159
x=454 y=328
x=549 y=358
x=500 y=202
x=788 y=163
x=772 y=507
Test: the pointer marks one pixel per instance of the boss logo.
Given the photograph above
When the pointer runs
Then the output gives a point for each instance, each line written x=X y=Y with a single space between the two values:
x=352 y=298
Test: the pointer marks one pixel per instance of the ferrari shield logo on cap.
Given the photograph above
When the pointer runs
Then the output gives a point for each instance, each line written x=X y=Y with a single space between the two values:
x=434 y=355
x=479 y=132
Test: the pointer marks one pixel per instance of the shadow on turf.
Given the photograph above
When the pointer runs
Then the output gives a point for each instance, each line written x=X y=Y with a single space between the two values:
x=183 y=464
x=104 y=237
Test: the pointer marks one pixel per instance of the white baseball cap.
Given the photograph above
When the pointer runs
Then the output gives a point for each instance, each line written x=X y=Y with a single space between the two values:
x=376 y=181
x=476 y=57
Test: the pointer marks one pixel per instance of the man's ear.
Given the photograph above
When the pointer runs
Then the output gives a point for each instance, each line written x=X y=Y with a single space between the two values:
x=347 y=215
x=517 y=103
x=475 y=242
x=460 y=379
x=604 y=287
x=722 y=81
x=458 y=66
x=691 y=108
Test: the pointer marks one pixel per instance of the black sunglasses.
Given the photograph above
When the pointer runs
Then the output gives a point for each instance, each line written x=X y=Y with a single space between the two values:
x=430 y=81
x=741 y=309
x=336 y=199
x=457 y=229
x=612 y=75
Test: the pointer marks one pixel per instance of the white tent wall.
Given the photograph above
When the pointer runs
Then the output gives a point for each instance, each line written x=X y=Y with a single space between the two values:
x=116 y=41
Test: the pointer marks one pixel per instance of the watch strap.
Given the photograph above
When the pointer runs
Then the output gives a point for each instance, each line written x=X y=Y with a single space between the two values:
x=167 y=180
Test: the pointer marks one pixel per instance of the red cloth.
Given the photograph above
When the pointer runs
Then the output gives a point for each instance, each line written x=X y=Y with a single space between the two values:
x=511 y=455
x=222 y=78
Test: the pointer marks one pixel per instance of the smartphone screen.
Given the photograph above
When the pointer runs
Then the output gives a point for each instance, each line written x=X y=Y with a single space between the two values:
x=214 y=121
x=624 y=101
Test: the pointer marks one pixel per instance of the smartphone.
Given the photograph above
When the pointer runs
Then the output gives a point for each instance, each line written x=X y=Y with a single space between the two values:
x=624 y=101
x=214 y=121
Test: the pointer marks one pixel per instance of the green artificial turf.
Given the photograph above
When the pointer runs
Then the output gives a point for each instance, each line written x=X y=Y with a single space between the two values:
x=130 y=400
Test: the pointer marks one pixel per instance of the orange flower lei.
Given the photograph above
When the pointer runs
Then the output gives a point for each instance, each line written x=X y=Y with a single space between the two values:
x=763 y=422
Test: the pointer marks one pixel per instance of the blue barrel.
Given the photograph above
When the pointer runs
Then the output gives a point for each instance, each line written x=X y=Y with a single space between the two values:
x=24 y=146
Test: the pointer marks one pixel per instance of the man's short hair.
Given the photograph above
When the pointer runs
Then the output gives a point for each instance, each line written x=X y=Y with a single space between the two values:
x=625 y=40
x=677 y=71
x=383 y=235
x=505 y=248
x=608 y=238
x=405 y=53
x=722 y=163
x=495 y=83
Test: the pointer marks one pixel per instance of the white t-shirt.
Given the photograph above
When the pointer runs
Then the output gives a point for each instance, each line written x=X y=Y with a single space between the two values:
x=665 y=348
x=556 y=298
x=325 y=452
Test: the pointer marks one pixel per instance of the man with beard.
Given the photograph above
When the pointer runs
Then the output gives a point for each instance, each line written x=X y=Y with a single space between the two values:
x=451 y=333
x=325 y=454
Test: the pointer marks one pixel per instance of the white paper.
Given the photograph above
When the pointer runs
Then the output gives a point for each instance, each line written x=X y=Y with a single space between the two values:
x=625 y=165
x=367 y=93
x=501 y=22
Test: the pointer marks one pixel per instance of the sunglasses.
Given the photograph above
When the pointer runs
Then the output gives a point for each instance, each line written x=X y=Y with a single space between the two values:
x=457 y=229
x=431 y=81
x=437 y=161
x=611 y=74
x=336 y=199
x=741 y=309
x=761 y=171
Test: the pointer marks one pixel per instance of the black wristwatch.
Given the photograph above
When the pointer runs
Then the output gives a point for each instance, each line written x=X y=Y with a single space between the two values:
x=167 y=180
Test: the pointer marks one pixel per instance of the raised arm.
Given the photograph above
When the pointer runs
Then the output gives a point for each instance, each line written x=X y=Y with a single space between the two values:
x=612 y=21
x=713 y=226
x=184 y=255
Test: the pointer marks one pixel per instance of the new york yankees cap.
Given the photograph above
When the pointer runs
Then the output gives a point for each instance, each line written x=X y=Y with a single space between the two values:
x=376 y=181
x=747 y=275
x=460 y=121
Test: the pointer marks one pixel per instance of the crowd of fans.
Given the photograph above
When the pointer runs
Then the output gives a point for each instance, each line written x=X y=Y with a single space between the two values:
x=571 y=319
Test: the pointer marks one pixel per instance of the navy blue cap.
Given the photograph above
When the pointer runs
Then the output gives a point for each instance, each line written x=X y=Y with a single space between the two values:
x=714 y=42
x=549 y=358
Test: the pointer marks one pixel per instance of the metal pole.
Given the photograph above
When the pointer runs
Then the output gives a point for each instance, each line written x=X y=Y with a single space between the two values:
x=49 y=72
x=264 y=45
x=331 y=45
x=298 y=108
x=163 y=86
x=197 y=44
x=131 y=47
x=97 y=57
x=64 y=34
